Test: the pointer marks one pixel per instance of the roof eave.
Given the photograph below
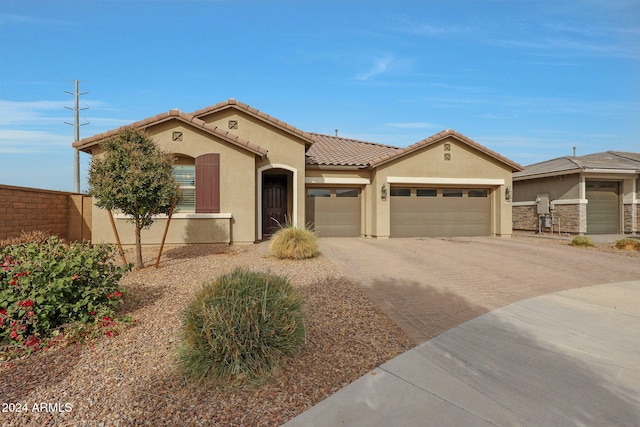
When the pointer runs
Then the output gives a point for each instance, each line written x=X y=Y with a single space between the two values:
x=182 y=117
x=434 y=139
x=254 y=112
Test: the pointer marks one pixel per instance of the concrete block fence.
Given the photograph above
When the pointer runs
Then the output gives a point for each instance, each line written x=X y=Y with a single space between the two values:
x=67 y=215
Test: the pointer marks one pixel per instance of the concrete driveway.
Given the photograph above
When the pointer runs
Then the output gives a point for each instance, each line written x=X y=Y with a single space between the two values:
x=557 y=345
x=429 y=285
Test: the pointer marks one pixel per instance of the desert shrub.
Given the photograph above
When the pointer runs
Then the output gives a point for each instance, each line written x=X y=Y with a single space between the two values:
x=46 y=286
x=238 y=328
x=583 y=241
x=38 y=237
x=628 y=244
x=294 y=243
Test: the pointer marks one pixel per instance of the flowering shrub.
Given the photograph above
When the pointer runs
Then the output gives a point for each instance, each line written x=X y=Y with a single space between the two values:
x=47 y=286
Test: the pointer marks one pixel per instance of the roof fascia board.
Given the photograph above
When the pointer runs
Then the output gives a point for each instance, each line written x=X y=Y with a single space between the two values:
x=611 y=171
x=546 y=175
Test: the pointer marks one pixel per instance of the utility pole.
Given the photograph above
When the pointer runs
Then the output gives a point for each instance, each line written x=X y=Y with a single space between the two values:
x=76 y=124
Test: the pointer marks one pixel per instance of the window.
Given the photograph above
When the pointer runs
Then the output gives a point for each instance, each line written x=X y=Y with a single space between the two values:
x=454 y=192
x=199 y=181
x=347 y=192
x=318 y=192
x=400 y=192
x=477 y=193
x=426 y=192
x=185 y=176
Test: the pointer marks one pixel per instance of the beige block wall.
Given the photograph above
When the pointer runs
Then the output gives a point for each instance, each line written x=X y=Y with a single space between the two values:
x=465 y=163
x=55 y=212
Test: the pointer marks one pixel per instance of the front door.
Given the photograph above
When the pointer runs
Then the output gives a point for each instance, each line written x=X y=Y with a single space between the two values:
x=274 y=203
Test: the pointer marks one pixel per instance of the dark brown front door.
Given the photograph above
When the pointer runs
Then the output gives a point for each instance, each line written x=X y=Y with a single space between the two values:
x=274 y=202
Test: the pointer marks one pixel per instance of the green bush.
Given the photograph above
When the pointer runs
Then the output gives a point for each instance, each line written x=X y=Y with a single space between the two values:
x=583 y=241
x=294 y=243
x=628 y=244
x=238 y=328
x=49 y=284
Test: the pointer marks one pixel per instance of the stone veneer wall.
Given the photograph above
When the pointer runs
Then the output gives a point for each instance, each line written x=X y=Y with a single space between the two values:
x=525 y=218
x=568 y=218
x=55 y=212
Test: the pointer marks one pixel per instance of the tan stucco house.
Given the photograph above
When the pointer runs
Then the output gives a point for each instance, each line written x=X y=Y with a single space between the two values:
x=593 y=194
x=244 y=172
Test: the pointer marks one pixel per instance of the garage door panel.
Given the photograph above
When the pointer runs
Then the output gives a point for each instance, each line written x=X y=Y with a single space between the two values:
x=602 y=207
x=440 y=216
x=335 y=216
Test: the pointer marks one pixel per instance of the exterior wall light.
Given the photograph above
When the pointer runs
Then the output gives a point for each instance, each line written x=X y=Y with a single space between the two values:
x=507 y=193
x=383 y=191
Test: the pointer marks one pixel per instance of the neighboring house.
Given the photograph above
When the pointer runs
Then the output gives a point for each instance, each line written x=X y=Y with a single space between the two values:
x=244 y=172
x=595 y=194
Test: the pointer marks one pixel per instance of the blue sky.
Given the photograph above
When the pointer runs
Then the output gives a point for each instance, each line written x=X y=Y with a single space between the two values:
x=529 y=79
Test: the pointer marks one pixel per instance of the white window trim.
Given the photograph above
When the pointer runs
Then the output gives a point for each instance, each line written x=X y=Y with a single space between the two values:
x=443 y=181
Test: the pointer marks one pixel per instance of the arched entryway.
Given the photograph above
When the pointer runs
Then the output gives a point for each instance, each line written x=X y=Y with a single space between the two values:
x=277 y=198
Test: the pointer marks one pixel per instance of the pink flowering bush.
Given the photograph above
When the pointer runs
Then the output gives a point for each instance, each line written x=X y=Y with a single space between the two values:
x=47 y=286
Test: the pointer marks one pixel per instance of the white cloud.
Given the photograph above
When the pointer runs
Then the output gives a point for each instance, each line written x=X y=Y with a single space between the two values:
x=380 y=66
x=8 y=18
x=28 y=141
x=47 y=113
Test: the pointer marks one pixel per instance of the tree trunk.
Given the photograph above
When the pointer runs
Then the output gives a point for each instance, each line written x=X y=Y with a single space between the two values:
x=139 y=263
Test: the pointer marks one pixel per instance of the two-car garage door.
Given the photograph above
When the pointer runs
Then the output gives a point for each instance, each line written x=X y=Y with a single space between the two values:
x=439 y=212
x=415 y=212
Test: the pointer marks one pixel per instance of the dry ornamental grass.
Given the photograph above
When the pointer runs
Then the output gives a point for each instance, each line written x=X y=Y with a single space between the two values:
x=133 y=379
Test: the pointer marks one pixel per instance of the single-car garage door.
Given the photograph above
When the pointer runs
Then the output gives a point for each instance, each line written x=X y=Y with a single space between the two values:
x=602 y=209
x=440 y=212
x=334 y=212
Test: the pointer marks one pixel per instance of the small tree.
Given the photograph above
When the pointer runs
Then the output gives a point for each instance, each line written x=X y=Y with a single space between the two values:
x=134 y=176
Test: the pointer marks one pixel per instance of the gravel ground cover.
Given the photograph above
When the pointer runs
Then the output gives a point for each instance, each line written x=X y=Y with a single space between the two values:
x=565 y=240
x=132 y=379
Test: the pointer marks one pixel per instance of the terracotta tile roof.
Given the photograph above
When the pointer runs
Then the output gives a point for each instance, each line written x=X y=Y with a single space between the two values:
x=439 y=137
x=86 y=143
x=569 y=164
x=337 y=151
x=232 y=103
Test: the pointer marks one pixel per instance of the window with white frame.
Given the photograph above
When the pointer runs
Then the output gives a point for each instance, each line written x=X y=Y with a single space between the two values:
x=185 y=176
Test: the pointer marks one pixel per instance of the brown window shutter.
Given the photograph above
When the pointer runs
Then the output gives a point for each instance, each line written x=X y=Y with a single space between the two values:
x=208 y=183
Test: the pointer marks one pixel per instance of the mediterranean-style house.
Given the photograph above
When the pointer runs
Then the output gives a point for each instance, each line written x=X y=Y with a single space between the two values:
x=593 y=194
x=243 y=173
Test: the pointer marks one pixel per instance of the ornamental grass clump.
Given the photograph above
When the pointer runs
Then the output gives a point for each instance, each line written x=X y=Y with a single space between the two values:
x=628 y=244
x=583 y=241
x=294 y=243
x=239 y=327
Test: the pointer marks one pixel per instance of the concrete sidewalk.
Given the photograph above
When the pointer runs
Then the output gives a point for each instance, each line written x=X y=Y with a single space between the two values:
x=567 y=358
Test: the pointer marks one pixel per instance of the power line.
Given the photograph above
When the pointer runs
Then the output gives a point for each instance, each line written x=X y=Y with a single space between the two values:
x=76 y=124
